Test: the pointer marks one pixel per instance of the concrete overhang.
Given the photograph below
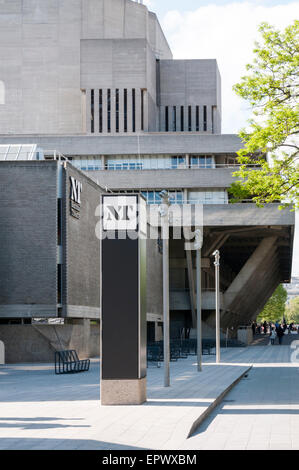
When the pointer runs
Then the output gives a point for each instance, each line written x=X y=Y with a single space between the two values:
x=132 y=144
x=235 y=215
x=158 y=179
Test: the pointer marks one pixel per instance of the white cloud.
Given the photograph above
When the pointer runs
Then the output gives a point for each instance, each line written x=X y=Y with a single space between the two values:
x=226 y=33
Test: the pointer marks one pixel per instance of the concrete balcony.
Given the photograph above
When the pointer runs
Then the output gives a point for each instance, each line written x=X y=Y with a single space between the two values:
x=232 y=215
x=159 y=179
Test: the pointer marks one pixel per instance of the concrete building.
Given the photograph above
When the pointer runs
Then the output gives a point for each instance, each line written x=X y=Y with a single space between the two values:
x=95 y=80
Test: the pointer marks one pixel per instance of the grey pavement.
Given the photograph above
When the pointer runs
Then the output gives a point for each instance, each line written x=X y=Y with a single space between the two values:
x=39 y=410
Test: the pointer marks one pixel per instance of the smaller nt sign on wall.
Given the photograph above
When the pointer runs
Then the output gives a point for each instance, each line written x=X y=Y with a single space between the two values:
x=75 y=197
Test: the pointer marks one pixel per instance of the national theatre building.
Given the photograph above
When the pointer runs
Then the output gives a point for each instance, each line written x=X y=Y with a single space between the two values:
x=92 y=102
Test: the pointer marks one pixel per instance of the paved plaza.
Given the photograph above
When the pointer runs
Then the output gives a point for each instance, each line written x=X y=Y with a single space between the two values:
x=39 y=410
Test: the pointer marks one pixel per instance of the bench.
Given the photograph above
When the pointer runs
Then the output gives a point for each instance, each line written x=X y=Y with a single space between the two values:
x=67 y=362
x=154 y=354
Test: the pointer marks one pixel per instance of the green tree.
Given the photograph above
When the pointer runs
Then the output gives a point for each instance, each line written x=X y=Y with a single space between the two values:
x=272 y=90
x=292 y=311
x=275 y=307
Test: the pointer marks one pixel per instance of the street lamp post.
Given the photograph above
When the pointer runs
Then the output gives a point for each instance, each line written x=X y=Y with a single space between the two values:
x=217 y=293
x=198 y=246
x=165 y=237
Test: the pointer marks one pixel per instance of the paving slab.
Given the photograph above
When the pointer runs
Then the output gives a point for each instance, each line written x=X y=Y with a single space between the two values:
x=40 y=410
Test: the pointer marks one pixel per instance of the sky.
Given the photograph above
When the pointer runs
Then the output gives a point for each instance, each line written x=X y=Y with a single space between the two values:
x=225 y=30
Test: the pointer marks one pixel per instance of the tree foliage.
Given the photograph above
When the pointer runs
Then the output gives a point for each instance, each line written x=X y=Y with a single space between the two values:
x=292 y=311
x=272 y=90
x=275 y=307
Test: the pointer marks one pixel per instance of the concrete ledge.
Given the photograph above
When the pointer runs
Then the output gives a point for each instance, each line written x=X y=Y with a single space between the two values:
x=216 y=402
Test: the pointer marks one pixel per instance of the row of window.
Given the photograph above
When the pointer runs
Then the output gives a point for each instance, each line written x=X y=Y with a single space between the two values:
x=212 y=196
x=145 y=163
x=106 y=105
x=181 y=118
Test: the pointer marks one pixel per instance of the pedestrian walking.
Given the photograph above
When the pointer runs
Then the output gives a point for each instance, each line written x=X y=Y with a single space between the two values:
x=265 y=327
x=280 y=334
x=273 y=335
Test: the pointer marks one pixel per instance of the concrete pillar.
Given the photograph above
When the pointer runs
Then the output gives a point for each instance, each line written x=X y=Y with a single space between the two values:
x=185 y=118
x=105 y=110
x=83 y=110
x=113 y=111
x=96 y=111
x=162 y=118
x=209 y=118
x=129 y=112
x=193 y=114
x=145 y=111
x=201 y=118
x=178 y=118
x=191 y=286
x=121 y=110
x=88 y=111
x=138 y=109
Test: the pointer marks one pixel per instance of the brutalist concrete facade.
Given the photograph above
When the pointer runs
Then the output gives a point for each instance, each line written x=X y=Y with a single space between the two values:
x=70 y=66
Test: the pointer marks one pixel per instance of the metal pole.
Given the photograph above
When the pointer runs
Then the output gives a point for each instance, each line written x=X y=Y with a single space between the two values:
x=164 y=209
x=166 y=311
x=217 y=288
x=198 y=308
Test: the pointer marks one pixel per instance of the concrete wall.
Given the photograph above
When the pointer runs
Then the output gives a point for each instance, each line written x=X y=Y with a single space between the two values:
x=40 y=66
x=28 y=239
x=82 y=253
x=40 y=57
x=28 y=343
x=191 y=83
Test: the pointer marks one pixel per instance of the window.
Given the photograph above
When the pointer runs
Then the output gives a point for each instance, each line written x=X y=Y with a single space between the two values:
x=174 y=118
x=109 y=110
x=100 y=111
x=125 y=110
x=166 y=119
x=142 y=110
x=133 y=110
x=205 y=118
x=117 y=110
x=92 y=111
x=189 y=118
x=182 y=118
x=177 y=162
x=201 y=161
x=197 y=118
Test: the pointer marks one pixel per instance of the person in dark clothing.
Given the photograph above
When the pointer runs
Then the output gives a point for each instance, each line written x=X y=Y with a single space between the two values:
x=280 y=334
x=253 y=326
x=265 y=325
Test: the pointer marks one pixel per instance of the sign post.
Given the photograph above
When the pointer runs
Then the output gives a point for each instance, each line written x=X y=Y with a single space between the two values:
x=123 y=300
